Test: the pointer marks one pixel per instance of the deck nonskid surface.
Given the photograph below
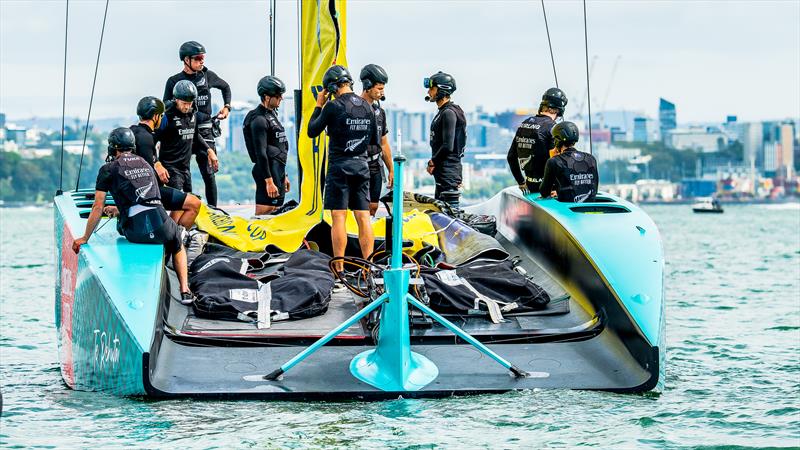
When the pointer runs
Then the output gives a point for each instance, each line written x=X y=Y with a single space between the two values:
x=562 y=312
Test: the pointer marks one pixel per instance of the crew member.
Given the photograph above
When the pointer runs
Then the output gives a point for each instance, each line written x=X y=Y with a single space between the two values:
x=373 y=81
x=448 y=138
x=178 y=133
x=571 y=173
x=142 y=218
x=193 y=56
x=531 y=146
x=350 y=124
x=184 y=206
x=266 y=143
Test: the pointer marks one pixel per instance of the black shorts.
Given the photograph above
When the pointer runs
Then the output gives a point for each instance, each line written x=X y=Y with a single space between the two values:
x=278 y=171
x=154 y=227
x=347 y=184
x=375 y=185
x=171 y=198
x=179 y=178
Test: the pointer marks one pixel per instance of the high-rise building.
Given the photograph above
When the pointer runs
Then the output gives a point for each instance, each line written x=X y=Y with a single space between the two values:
x=640 y=129
x=786 y=153
x=752 y=138
x=667 y=119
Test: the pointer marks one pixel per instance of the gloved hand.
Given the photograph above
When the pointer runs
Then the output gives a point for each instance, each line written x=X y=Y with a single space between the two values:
x=524 y=188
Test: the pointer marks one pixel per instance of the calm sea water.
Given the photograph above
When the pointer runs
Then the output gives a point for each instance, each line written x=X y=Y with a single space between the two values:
x=733 y=374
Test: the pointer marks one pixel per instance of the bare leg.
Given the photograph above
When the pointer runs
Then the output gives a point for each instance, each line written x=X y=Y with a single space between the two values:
x=182 y=269
x=264 y=209
x=365 y=237
x=190 y=209
x=176 y=215
x=339 y=235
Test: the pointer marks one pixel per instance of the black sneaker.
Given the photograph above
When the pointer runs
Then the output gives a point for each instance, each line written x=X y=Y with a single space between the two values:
x=187 y=298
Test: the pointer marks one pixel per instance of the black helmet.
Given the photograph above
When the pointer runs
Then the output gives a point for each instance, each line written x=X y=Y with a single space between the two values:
x=373 y=74
x=149 y=107
x=335 y=76
x=120 y=139
x=554 y=98
x=185 y=90
x=270 y=86
x=444 y=81
x=565 y=133
x=191 y=48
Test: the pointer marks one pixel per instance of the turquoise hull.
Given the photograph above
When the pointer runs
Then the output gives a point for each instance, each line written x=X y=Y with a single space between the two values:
x=107 y=299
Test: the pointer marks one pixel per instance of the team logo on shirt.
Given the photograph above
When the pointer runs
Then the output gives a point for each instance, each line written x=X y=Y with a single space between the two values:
x=353 y=143
x=141 y=191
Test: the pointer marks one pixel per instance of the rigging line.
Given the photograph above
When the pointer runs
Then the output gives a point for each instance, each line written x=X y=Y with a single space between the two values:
x=588 y=93
x=299 y=53
x=274 y=33
x=549 y=44
x=91 y=98
x=63 y=104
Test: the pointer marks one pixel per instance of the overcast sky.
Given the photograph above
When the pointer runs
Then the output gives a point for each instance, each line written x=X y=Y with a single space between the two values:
x=711 y=58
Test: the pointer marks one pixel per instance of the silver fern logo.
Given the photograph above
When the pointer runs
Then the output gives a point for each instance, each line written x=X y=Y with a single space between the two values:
x=141 y=191
x=352 y=144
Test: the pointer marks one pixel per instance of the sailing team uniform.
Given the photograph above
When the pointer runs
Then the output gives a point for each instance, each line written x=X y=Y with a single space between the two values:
x=448 y=139
x=530 y=151
x=204 y=81
x=374 y=154
x=171 y=198
x=265 y=139
x=573 y=175
x=350 y=123
x=178 y=134
x=142 y=218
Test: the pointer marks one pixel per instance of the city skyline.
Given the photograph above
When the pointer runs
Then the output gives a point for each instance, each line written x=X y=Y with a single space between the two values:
x=694 y=53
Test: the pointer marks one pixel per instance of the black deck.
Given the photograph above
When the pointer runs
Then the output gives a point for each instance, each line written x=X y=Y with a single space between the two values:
x=199 y=357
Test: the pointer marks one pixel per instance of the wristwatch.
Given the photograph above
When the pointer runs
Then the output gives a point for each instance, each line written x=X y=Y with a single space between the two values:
x=228 y=107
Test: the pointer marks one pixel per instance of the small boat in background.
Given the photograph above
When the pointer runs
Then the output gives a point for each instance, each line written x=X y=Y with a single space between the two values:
x=707 y=205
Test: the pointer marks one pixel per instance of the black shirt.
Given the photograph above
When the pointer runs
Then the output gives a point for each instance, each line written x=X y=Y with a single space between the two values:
x=265 y=139
x=176 y=134
x=448 y=135
x=350 y=123
x=530 y=148
x=573 y=174
x=145 y=143
x=131 y=181
x=203 y=81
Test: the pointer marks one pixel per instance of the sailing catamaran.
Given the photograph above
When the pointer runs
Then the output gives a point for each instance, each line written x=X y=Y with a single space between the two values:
x=598 y=266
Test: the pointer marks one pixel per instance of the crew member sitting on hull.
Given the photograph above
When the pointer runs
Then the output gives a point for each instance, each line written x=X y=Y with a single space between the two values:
x=448 y=138
x=142 y=219
x=267 y=146
x=373 y=80
x=533 y=141
x=193 y=56
x=571 y=173
x=350 y=124
x=184 y=207
x=178 y=133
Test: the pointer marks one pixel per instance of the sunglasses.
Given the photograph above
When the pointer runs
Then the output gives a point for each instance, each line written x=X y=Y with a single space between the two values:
x=427 y=83
x=199 y=58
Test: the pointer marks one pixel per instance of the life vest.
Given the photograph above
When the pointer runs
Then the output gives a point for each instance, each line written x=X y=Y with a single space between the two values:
x=533 y=142
x=277 y=144
x=133 y=183
x=577 y=176
x=437 y=133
